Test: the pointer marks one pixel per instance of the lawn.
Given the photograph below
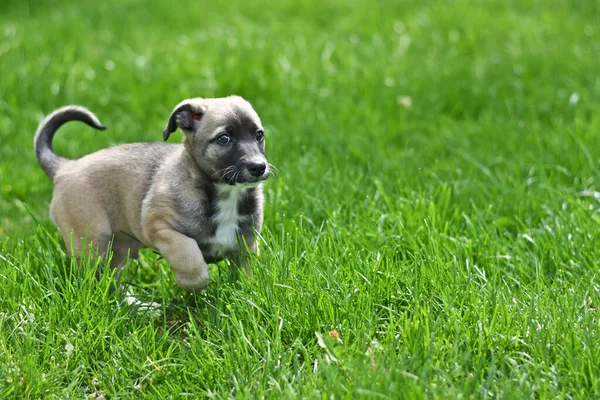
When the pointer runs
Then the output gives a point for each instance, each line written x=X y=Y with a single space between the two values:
x=434 y=231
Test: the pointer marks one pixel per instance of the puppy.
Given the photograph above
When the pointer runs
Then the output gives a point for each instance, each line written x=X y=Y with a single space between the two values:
x=195 y=203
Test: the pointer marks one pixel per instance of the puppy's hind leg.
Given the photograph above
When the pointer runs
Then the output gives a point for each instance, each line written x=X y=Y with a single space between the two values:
x=83 y=223
x=82 y=243
x=85 y=230
x=124 y=247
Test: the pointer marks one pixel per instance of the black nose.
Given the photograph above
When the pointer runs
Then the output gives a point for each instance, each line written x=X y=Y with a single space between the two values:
x=256 y=169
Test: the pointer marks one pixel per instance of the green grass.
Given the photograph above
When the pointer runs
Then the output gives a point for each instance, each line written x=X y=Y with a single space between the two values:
x=453 y=244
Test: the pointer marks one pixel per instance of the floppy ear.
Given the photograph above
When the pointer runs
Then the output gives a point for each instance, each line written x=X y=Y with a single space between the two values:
x=183 y=117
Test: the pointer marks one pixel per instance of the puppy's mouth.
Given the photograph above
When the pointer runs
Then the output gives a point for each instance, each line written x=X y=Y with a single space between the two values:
x=244 y=178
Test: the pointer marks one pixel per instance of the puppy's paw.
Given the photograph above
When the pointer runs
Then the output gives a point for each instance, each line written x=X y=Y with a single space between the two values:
x=192 y=283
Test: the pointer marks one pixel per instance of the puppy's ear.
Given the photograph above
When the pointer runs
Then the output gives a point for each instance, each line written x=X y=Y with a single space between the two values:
x=184 y=117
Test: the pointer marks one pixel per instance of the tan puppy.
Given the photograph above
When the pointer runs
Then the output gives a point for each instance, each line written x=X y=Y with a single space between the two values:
x=195 y=203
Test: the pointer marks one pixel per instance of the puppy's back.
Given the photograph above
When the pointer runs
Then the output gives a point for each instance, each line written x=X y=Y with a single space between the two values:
x=116 y=177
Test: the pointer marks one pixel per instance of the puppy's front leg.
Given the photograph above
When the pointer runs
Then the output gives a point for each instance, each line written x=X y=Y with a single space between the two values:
x=242 y=260
x=185 y=257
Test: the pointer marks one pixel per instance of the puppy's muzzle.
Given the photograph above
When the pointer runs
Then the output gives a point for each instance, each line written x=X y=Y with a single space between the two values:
x=252 y=172
x=256 y=169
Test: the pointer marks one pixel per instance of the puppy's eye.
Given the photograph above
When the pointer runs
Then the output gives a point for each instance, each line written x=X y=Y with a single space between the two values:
x=197 y=116
x=260 y=136
x=224 y=139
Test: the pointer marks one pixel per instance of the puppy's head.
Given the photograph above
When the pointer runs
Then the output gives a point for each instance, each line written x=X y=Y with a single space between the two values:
x=224 y=136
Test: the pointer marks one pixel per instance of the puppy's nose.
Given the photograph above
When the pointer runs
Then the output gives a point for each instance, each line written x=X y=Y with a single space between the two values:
x=256 y=169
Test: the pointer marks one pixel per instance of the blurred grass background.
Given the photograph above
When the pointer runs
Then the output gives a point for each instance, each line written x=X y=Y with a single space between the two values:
x=485 y=79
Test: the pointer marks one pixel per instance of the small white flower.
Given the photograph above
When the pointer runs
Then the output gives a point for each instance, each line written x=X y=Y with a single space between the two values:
x=140 y=61
x=404 y=101
x=574 y=99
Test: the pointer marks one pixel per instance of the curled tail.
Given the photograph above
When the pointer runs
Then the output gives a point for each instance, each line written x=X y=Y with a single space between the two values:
x=48 y=127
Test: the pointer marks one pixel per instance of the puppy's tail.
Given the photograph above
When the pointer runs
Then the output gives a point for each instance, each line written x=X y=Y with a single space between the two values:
x=43 y=137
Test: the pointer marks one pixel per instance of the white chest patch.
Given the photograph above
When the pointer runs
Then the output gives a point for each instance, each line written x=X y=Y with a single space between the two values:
x=227 y=218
